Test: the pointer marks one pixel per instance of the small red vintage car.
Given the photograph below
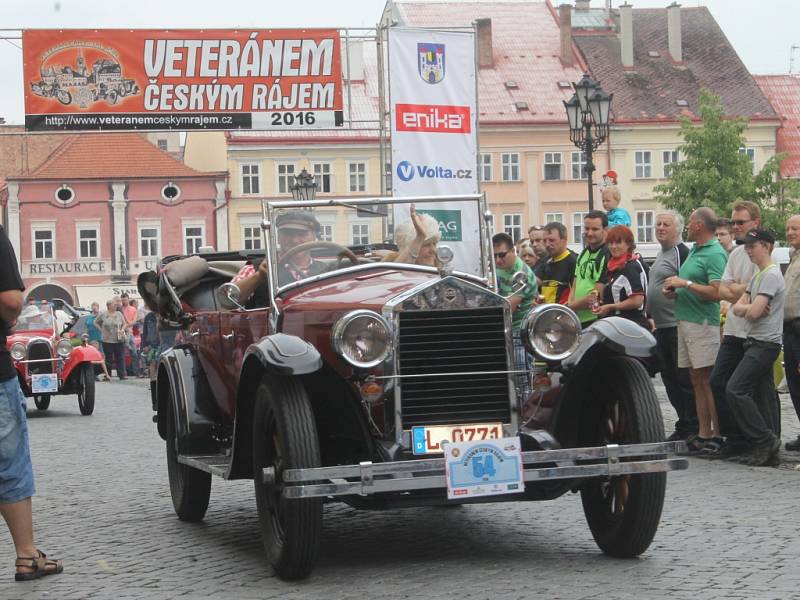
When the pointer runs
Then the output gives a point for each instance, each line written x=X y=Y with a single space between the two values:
x=360 y=375
x=46 y=360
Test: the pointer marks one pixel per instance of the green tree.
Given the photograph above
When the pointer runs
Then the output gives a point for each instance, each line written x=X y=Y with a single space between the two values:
x=714 y=173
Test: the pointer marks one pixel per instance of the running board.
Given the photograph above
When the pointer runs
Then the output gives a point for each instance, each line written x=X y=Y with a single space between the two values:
x=216 y=464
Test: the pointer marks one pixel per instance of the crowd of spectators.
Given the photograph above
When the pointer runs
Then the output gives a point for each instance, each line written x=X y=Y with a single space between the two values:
x=721 y=313
x=127 y=336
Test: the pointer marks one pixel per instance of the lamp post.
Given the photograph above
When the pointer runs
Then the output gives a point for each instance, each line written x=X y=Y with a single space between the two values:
x=304 y=186
x=587 y=113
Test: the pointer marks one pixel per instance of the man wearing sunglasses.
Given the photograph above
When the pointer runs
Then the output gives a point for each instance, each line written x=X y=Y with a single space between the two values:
x=507 y=263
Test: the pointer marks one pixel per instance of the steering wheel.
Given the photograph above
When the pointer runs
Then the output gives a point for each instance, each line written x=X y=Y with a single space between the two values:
x=340 y=250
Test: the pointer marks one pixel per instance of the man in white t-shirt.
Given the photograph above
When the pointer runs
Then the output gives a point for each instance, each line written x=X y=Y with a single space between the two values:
x=739 y=271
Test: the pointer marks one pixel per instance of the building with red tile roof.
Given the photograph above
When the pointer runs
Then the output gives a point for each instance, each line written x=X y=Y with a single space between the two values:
x=106 y=205
x=783 y=92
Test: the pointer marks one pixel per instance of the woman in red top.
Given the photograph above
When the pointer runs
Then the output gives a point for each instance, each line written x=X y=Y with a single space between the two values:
x=625 y=292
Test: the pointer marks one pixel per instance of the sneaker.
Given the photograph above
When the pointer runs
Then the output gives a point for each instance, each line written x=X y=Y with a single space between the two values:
x=760 y=457
x=794 y=445
x=730 y=450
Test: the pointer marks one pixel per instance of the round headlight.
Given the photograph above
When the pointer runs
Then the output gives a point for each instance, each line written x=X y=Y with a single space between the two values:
x=362 y=338
x=64 y=348
x=551 y=332
x=18 y=351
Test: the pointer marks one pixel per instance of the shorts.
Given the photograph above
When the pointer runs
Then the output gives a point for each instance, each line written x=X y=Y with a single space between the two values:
x=16 y=470
x=698 y=345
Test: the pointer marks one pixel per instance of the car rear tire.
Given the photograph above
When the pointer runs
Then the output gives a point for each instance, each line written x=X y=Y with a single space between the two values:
x=623 y=512
x=285 y=437
x=42 y=402
x=86 y=389
x=190 y=488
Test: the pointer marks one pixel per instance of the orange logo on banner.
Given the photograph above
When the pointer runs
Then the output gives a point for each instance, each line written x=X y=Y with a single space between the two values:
x=238 y=74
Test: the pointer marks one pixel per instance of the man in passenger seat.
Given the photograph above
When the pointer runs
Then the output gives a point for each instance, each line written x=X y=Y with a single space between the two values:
x=294 y=228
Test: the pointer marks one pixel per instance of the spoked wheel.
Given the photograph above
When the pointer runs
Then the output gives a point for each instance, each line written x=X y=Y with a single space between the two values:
x=623 y=512
x=42 y=402
x=86 y=390
x=285 y=437
x=190 y=488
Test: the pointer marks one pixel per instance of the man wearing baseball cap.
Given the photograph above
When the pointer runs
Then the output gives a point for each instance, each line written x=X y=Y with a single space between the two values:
x=294 y=228
x=761 y=307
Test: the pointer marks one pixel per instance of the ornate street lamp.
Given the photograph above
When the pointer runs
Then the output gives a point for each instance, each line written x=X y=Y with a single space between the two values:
x=304 y=186
x=587 y=112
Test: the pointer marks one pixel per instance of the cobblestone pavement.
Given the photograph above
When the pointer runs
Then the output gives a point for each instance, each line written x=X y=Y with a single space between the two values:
x=103 y=505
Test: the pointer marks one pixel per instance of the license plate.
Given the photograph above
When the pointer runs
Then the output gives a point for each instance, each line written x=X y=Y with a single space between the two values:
x=44 y=382
x=485 y=468
x=428 y=440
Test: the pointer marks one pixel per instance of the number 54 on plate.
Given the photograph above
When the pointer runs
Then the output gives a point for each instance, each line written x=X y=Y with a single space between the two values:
x=483 y=468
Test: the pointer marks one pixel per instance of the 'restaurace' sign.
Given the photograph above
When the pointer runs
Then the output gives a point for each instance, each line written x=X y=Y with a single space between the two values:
x=183 y=79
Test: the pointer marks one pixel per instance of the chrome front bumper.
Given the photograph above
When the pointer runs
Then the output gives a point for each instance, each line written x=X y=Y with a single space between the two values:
x=574 y=463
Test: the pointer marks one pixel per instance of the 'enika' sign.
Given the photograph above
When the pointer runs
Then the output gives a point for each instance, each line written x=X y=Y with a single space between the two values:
x=184 y=79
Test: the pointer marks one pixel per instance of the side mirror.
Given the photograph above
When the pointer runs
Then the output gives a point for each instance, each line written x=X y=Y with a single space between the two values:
x=229 y=296
x=519 y=281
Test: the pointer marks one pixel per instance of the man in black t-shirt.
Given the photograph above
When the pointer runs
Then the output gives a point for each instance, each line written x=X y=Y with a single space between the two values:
x=16 y=471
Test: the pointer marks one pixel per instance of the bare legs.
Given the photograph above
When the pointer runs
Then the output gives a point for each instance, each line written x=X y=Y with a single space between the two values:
x=704 y=400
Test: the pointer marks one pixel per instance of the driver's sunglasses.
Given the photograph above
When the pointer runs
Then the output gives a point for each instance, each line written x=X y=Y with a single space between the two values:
x=501 y=255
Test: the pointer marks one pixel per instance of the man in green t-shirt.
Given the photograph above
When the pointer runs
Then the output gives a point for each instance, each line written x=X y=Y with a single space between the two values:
x=590 y=270
x=507 y=263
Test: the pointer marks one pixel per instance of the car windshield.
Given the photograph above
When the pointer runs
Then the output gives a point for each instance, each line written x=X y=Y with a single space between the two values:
x=33 y=317
x=319 y=237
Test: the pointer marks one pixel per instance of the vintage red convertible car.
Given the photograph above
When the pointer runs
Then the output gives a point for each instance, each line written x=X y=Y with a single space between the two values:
x=47 y=362
x=383 y=384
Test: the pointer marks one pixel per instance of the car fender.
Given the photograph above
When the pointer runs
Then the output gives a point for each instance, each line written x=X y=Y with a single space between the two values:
x=180 y=378
x=285 y=355
x=615 y=334
x=79 y=355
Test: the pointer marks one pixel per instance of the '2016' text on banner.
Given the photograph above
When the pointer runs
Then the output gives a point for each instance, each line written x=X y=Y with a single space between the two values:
x=434 y=131
x=183 y=79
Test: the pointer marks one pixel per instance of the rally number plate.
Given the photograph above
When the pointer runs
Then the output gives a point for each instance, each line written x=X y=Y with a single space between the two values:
x=428 y=440
x=42 y=383
x=486 y=468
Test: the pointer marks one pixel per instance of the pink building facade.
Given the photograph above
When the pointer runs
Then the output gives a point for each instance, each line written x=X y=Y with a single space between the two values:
x=105 y=207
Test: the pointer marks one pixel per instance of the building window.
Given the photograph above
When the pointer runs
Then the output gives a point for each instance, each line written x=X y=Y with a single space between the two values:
x=162 y=144
x=554 y=218
x=577 y=227
x=193 y=238
x=357 y=172
x=644 y=226
x=387 y=174
x=250 y=182
x=285 y=177
x=552 y=166
x=670 y=158
x=323 y=177
x=88 y=242
x=510 y=162
x=149 y=241
x=44 y=242
x=644 y=164
x=360 y=234
x=751 y=154
x=326 y=232
x=579 y=165
x=485 y=172
x=251 y=236
x=512 y=225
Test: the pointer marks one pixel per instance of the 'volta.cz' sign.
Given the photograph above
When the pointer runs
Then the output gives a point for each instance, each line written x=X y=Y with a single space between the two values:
x=182 y=79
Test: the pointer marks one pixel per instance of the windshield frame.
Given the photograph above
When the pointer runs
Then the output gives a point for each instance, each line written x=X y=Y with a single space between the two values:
x=270 y=209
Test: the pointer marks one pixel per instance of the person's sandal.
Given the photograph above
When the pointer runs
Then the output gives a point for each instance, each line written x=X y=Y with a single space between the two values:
x=41 y=566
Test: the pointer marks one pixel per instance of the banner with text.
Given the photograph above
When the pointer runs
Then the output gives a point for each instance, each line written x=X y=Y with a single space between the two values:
x=120 y=79
x=435 y=129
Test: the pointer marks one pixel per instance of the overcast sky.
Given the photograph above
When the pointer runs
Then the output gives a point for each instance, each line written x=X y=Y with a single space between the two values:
x=762 y=31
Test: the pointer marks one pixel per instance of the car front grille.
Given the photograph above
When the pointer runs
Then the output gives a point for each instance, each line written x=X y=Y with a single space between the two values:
x=443 y=342
x=38 y=351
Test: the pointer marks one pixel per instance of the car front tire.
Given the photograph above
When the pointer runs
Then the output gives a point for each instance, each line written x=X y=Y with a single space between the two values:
x=86 y=390
x=42 y=401
x=190 y=488
x=285 y=437
x=623 y=512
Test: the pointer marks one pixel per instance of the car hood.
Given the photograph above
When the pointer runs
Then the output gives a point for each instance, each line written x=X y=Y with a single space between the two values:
x=25 y=336
x=367 y=289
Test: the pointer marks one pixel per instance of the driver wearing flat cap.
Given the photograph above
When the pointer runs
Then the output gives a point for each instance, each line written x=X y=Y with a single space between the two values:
x=294 y=228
